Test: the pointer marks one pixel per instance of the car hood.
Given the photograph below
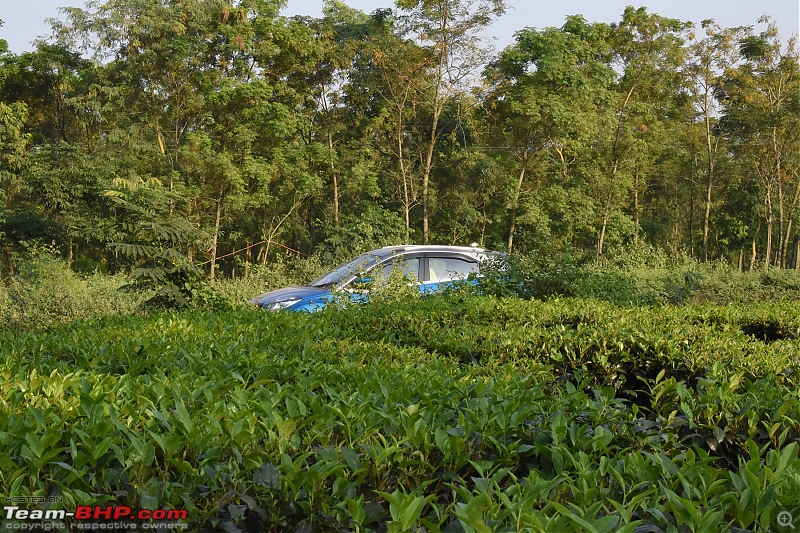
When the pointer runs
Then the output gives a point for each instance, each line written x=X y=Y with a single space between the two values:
x=304 y=292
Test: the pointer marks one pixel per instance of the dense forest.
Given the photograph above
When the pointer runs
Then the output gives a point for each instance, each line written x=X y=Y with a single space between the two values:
x=217 y=134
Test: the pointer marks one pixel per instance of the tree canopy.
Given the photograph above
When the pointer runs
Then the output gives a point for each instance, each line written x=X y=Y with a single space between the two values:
x=204 y=135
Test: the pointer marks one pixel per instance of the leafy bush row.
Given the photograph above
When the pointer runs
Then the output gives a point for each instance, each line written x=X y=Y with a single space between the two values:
x=637 y=275
x=45 y=291
x=451 y=413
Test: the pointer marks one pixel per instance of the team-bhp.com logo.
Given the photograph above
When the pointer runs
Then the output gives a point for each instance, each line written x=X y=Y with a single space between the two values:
x=93 y=517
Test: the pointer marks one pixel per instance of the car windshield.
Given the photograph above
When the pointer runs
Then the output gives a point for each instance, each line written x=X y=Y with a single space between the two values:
x=343 y=273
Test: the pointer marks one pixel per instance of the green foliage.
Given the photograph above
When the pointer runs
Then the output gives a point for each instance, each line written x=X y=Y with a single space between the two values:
x=540 y=275
x=13 y=144
x=394 y=287
x=336 y=134
x=638 y=391
x=635 y=275
x=158 y=242
x=372 y=228
x=283 y=271
x=614 y=285
x=44 y=292
x=482 y=414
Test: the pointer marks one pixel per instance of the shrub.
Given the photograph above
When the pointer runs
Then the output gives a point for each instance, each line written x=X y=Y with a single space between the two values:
x=371 y=228
x=437 y=414
x=613 y=285
x=282 y=272
x=639 y=274
x=638 y=255
x=45 y=291
x=536 y=276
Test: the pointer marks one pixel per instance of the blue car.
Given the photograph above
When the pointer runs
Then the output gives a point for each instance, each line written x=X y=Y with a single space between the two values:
x=432 y=268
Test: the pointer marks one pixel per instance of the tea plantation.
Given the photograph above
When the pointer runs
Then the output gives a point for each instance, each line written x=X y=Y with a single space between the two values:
x=451 y=413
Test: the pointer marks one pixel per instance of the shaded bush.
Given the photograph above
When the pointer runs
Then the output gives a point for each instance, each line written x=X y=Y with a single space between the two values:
x=45 y=291
x=537 y=276
x=282 y=272
x=645 y=276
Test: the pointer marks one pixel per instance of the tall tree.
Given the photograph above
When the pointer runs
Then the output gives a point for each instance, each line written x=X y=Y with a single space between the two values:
x=710 y=60
x=547 y=99
x=765 y=111
x=209 y=92
x=395 y=70
x=328 y=52
x=13 y=146
x=451 y=29
x=647 y=52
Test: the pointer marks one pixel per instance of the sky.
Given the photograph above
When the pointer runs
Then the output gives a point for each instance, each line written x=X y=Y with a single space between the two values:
x=24 y=20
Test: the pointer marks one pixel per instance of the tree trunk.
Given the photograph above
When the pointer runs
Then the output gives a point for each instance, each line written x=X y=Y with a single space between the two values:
x=335 y=183
x=797 y=254
x=616 y=155
x=402 y=167
x=785 y=244
x=636 y=216
x=781 y=252
x=710 y=152
x=779 y=182
x=483 y=227
x=439 y=100
x=754 y=254
x=247 y=260
x=792 y=209
x=768 y=204
x=216 y=235
x=707 y=213
x=517 y=193
x=426 y=176
x=606 y=216
x=9 y=259
x=266 y=250
x=691 y=221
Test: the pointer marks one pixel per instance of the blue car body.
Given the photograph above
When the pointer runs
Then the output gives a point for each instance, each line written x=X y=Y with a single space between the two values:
x=431 y=268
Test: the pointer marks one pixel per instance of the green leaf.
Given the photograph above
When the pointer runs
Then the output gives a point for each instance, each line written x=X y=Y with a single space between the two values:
x=236 y=511
x=412 y=511
x=788 y=455
x=351 y=458
x=183 y=416
x=606 y=524
x=148 y=502
x=286 y=428
x=267 y=476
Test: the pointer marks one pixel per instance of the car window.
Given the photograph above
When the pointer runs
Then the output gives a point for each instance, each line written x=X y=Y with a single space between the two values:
x=361 y=263
x=407 y=267
x=379 y=274
x=449 y=269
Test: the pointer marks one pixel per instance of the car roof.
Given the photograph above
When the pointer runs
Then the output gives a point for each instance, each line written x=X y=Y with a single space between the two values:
x=434 y=248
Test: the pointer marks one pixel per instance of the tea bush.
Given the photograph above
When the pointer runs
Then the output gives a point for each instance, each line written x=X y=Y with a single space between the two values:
x=450 y=413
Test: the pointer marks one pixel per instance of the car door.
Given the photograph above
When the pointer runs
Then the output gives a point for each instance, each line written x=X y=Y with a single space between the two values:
x=441 y=270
